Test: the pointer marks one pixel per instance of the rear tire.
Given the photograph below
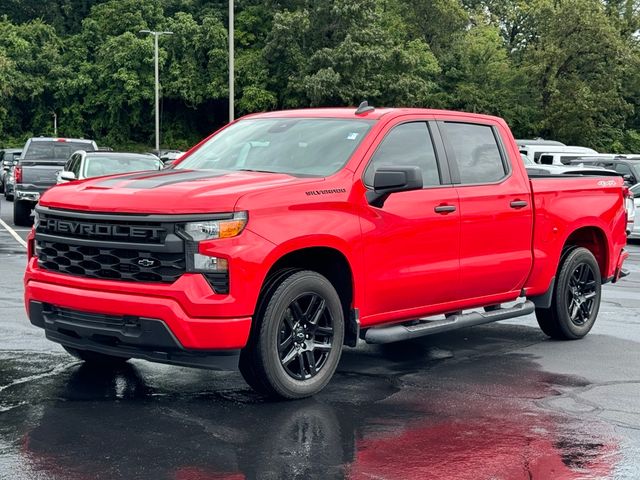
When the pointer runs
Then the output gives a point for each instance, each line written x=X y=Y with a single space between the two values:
x=297 y=339
x=22 y=213
x=576 y=298
x=95 y=358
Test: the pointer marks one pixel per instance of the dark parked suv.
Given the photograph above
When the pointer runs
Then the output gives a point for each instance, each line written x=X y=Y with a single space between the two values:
x=626 y=165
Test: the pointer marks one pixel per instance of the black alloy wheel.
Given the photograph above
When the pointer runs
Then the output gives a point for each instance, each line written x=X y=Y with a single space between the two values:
x=581 y=294
x=297 y=336
x=576 y=297
x=306 y=336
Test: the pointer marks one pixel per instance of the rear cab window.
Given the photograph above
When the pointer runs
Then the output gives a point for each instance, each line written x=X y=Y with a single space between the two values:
x=475 y=151
x=54 y=150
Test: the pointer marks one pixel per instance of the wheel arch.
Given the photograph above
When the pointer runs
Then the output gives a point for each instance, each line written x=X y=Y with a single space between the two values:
x=593 y=239
x=330 y=262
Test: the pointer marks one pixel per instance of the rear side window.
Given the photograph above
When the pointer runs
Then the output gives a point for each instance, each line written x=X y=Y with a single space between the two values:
x=546 y=159
x=568 y=159
x=407 y=145
x=475 y=151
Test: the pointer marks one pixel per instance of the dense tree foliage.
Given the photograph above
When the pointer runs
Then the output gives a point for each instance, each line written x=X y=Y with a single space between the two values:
x=562 y=69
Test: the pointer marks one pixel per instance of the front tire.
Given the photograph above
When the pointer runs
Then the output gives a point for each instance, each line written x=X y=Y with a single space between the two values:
x=576 y=298
x=297 y=339
x=95 y=358
x=22 y=213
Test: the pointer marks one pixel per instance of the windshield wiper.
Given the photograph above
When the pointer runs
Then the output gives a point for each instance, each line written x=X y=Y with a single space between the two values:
x=254 y=170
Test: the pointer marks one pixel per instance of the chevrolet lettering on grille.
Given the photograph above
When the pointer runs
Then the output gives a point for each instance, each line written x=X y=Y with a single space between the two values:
x=52 y=225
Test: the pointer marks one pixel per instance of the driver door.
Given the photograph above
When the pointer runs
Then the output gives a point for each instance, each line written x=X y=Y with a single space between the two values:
x=411 y=244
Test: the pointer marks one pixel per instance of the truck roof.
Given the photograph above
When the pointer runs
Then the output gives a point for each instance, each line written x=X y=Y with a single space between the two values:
x=350 y=113
x=60 y=139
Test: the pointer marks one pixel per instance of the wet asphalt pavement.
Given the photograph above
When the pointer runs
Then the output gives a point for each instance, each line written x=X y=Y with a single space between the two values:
x=493 y=402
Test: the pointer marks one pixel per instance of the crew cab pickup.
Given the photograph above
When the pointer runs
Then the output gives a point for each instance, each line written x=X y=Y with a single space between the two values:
x=286 y=235
x=37 y=169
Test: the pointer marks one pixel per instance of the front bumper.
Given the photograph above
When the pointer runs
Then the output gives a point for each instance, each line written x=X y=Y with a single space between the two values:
x=196 y=317
x=124 y=336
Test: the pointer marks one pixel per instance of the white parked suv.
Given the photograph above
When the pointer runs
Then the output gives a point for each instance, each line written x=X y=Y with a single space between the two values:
x=83 y=164
x=554 y=154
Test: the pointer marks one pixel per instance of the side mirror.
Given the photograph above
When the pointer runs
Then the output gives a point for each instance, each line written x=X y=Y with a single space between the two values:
x=388 y=180
x=629 y=179
x=67 y=176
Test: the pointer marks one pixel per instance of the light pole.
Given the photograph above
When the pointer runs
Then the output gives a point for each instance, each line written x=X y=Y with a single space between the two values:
x=231 y=62
x=55 y=124
x=155 y=38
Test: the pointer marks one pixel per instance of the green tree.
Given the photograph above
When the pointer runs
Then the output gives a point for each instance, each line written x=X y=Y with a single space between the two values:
x=577 y=68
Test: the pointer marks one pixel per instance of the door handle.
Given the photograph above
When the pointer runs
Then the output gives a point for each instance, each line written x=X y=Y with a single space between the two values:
x=518 y=204
x=444 y=209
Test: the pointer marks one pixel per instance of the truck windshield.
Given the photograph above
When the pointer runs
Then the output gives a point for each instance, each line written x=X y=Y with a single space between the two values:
x=296 y=146
x=54 y=150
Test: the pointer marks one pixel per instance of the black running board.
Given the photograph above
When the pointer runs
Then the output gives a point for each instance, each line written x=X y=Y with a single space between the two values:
x=396 y=333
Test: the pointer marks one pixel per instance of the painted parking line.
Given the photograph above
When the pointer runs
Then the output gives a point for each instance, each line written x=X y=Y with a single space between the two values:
x=13 y=233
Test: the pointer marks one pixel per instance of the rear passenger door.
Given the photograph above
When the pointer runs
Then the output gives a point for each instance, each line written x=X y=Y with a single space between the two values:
x=411 y=243
x=495 y=209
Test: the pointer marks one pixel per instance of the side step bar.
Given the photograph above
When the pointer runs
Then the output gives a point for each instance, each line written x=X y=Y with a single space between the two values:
x=396 y=333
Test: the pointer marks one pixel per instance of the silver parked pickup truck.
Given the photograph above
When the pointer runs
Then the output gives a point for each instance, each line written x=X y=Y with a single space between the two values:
x=37 y=169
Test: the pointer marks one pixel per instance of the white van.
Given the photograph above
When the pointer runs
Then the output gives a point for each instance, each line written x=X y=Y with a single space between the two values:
x=554 y=154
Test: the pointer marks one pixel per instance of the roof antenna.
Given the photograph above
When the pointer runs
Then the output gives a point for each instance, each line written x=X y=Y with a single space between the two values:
x=364 y=108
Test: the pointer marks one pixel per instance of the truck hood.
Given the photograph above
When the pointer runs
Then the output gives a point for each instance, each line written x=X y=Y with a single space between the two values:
x=165 y=192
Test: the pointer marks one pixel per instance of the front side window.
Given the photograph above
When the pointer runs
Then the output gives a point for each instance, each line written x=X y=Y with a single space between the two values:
x=75 y=167
x=407 y=145
x=296 y=146
x=476 y=152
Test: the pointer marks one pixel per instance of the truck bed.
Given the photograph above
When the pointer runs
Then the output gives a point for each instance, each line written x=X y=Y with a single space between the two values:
x=568 y=203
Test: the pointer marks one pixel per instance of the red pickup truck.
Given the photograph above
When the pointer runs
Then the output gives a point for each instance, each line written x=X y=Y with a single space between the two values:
x=286 y=235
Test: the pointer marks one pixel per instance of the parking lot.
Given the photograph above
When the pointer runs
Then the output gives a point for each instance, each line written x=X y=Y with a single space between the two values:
x=498 y=401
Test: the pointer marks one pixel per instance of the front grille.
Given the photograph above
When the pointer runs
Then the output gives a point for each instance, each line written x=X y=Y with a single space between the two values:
x=110 y=263
x=104 y=230
x=109 y=247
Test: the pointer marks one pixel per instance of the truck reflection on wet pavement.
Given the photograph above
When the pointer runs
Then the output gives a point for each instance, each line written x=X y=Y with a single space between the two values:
x=120 y=424
x=491 y=402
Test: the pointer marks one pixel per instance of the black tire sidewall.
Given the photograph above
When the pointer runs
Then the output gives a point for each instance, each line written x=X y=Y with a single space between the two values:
x=572 y=261
x=290 y=289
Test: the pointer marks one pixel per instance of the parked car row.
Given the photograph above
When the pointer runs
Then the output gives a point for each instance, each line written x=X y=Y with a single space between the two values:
x=45 y=161
x=550 y=157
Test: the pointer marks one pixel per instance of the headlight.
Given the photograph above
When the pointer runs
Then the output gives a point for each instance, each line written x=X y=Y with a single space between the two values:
x=211 y=230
